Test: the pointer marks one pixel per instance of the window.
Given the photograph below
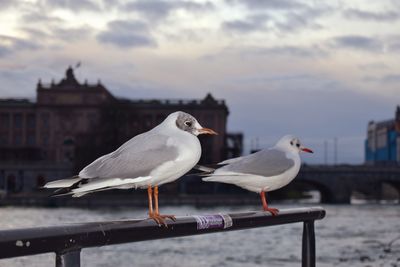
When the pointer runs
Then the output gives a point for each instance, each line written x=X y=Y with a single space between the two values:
x=31 y=121
x=3 y=139
x=17 y=139
x=31 y=139
x=18 y=121
x=45 y=118
x=4 y=121
x=45 y=139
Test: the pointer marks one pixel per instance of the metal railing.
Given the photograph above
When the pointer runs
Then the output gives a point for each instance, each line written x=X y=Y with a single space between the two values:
x=68 y=240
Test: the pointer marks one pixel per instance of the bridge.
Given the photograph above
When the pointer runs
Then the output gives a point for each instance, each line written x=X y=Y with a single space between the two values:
x=336 y=184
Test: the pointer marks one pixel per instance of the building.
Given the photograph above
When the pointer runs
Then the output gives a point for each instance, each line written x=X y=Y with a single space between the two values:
x=71 y=123
x=383 y=142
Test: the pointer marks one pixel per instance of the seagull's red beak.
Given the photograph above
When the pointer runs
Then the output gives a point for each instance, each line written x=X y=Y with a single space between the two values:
x=307 y=150
x=207 y=131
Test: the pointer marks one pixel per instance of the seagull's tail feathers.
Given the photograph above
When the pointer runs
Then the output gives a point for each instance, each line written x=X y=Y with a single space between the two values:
x=225 y=177
x=85 y=186
x=68 y=182
x=217 y=178
x=205 y=171
x=66 y=188
x=101 y=184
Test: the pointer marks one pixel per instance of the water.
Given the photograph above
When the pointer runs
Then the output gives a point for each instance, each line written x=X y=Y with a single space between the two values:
x=350 y=235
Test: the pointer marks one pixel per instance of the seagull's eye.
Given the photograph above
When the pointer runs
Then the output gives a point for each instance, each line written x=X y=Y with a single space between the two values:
x=298 y=145
x=188 y=123
x=291 y=143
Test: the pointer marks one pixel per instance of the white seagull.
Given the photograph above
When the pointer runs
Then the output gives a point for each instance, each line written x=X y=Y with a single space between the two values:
x=148 y=160
x=264 y=171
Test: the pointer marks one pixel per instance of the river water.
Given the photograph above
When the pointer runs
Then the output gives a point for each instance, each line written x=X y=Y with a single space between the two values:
x=350 y=235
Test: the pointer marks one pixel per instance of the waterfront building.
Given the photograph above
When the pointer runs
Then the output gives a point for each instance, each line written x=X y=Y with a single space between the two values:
x=72 y=123
x=383 y=141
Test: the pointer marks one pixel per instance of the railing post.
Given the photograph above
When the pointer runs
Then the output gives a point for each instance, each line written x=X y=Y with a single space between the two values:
x=69 y=259
x=308 y=248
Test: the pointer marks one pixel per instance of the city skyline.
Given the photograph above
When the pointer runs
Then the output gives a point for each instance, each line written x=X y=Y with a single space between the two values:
x=318 y=70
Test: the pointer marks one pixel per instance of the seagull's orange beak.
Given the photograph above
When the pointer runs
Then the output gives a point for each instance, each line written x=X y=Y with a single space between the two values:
x=207 y=131
x=307 y=150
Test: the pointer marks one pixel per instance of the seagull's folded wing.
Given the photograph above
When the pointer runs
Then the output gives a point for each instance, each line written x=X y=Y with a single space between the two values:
x=138 y=157
x=266 y=163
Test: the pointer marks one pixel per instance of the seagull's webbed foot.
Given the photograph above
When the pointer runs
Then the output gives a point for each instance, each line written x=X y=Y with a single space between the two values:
x=160 y=220
x=273 y=211
x=172 y=217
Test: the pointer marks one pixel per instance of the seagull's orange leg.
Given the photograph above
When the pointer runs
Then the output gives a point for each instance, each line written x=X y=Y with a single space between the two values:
x=273 y=211
x=150 y=196
x=172 y=217
x=153 y=215
x=156 y=200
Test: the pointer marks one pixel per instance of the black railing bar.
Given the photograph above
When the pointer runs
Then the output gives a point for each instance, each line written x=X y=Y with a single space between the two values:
x=308 y=245
x=59 y=239
x=72 y=258
x=69 y=259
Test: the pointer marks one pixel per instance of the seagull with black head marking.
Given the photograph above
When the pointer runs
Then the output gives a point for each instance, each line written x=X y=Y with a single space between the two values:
x=261 y=172
x=148 y=160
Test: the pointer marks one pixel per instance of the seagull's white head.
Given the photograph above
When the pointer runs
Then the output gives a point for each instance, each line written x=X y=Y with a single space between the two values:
x=292 y=143
x=188 y=123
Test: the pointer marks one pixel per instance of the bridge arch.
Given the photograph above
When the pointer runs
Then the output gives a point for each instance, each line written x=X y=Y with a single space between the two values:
x=326 y=193
x=391 y=188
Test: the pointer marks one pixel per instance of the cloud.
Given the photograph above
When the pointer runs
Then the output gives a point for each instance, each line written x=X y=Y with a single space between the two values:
x=295 y=51
x=302 y=19
x=357 y=42
x=160 y=10
x=39 y=17
x=302 y=81
x=188 y=34
x=71 y=34
x=391 y=78
x=373 y=66
x=9 y=45
x=34 y=33
x=289 y=18
x=73 y=5
x=4 y=51
x=385 y=79
x=386 y=16
x=291 y=51
x=49 y=28
x=395 y=47
x=127 y=34
x=5 y=4
x=251 y=24
x=295 y=23
x=268 y=4
x=393 y=42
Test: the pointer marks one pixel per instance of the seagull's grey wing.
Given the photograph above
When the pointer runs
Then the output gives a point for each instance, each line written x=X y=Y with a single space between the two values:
x=268 y=162
x=229 y=161
x=136 y=158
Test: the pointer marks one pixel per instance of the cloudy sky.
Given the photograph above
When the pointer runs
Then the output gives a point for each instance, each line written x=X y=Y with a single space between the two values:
x=316 y=69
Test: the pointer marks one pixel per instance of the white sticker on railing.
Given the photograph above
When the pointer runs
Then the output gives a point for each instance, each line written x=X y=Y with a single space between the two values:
x=216 y=221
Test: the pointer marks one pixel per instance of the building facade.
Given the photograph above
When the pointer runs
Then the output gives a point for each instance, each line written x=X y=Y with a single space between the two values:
x=383 y=141
x=71 y=123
